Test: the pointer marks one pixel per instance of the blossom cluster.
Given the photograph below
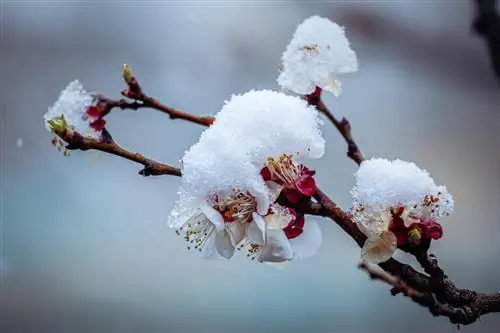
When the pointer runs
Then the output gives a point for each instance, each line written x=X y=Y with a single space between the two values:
x=76 y=109
x=318 y=53
x=234 y=175
x=242 y=179
x=397 y=204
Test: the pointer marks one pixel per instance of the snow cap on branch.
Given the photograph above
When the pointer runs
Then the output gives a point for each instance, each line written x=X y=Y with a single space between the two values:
x=265 y=123
x=397 y=204
x=77 y=107
x=318 y=52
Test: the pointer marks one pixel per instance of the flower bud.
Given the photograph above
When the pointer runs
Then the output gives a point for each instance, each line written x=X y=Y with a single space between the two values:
x=415 y=236
x=58 y=124
x=128 y=76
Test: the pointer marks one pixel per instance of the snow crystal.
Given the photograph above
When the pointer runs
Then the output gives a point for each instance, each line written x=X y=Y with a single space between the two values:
x=317 y=53
x=73 y=103
x=384 y=183
x=230 y=154
x=266 y=123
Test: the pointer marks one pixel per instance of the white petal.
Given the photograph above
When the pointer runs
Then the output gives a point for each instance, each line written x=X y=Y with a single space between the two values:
x=277 y=248
x=263 y=202
x=223 y=244
x=308 y=243
x=179 y=217
x=255 y=230
x=236 y=232
x=209 y=251
x=279 y=265
x=333 y=85
x=260 y=222
x=277 y=221
x=213 y=216
x=274 y=190
x=379 y=249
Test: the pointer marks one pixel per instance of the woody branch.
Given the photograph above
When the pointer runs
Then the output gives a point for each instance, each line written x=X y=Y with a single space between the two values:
x=432 y=290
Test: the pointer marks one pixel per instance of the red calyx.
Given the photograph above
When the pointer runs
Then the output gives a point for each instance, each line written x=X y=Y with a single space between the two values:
x=430 y=228
x=296 y=227
x=313 y=98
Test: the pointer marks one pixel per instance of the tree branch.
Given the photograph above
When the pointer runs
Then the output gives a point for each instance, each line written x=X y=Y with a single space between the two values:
x=78 y=142
x=343 y=126
x=434 y=290
x=135 y=92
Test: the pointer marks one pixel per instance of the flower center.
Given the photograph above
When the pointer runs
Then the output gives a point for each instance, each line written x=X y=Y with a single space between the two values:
x=284 y=169
x=310 y=49
x=237 y=207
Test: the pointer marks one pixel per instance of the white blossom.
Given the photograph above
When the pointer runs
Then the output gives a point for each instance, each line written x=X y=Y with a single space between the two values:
x=221 y=173
x=318 y=53
x=73 y=103
x=396 y=194
x=268 y=242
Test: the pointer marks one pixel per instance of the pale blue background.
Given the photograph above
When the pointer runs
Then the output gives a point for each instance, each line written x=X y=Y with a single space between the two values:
x=85 y=246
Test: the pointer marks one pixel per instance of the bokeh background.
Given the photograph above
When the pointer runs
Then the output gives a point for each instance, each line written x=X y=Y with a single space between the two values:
x=85 y=247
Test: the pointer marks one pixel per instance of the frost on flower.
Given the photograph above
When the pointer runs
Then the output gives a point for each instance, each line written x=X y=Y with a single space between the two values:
x=318 y=53
x=77 y=109
x=265 y=123
x=397 y=204
x=234 y=174
x=220 y=191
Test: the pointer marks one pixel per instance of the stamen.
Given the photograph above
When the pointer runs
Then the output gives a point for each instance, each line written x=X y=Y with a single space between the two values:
x=284 y=169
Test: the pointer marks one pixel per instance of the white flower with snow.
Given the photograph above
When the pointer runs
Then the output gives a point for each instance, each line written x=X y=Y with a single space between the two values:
x=397 y=204
x=223 y=174
x=265 y=123
x=318 y=53
x=281 y=236
x=78 y=109
x=213 y=228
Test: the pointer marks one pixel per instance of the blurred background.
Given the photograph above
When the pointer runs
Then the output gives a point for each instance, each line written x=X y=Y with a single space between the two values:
x=85 y=247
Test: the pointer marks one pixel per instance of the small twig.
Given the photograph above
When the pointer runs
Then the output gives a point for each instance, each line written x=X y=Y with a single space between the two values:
x=151 y=168
x=398 y=285
x=135 y=92
x=343 y=126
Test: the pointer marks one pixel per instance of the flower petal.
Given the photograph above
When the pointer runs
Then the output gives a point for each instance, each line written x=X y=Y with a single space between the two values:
x=278 y=265
x=256 y=230
x=209 y=251
x=223 y=244
x=274 y=190
x=263 y=202
x=432 y=229
x=277 y=221
x=277 y=248
x=292 y=195
x=213 y=216
x=265 y=173
x=379 y=249
x=236 y=232
x=306 y=185
x=308 y=243
x=333 y=85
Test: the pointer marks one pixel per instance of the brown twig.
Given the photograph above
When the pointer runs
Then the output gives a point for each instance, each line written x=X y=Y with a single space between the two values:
x=135 y=92
x=461 y=314
x=343 y=126
x=78 y=142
